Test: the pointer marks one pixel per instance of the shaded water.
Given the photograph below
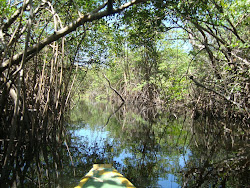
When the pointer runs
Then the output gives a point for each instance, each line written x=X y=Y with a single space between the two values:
x=158 y=149
x=150 y=147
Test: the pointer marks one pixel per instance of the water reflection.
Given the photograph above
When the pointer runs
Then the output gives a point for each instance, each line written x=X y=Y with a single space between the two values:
x=146 y=149
x=154 y=149
x=220 y=155
x=150 y=147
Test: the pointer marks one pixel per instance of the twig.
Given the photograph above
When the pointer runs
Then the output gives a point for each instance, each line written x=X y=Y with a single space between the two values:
x=219 y=94
x=114 y=89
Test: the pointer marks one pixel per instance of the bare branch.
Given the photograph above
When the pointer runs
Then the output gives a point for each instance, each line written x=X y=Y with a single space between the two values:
x=241 y=59
x=219 y=94
x=15 y=16
x=114 y=89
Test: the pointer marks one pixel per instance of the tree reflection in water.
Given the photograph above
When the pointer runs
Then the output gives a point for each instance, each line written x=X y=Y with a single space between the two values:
x=150 y=147
x=200 y=153
x=141 y=144
x=220 y=155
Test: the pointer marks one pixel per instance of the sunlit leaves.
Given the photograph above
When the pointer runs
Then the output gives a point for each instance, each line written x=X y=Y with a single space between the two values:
x=6 y=10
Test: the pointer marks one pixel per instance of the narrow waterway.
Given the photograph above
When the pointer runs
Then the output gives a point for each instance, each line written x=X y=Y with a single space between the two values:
x=151 y=147
x=154 y=149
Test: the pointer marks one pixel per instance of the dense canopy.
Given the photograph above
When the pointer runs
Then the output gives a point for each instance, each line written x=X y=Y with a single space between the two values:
x=174 y=53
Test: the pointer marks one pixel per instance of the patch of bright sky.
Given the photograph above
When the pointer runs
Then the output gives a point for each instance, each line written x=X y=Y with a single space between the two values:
x=175 y=35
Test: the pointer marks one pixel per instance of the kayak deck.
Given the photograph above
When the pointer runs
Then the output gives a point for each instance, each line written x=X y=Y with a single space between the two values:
x=104 y=176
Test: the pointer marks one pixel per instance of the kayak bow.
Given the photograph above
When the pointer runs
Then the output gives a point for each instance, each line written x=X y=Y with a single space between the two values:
x=104 y=176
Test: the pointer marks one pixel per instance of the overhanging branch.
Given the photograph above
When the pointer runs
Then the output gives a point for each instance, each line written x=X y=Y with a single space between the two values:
x=94 y=15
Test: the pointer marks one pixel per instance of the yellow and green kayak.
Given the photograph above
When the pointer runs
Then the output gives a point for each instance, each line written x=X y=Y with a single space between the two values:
x=104 y=176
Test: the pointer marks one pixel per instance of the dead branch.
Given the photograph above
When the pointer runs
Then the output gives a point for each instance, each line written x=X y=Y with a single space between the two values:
x=114 y=89
x=219 y=94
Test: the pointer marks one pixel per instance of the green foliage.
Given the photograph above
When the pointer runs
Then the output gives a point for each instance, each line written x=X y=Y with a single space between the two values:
x=6 y=10
x=145 y=62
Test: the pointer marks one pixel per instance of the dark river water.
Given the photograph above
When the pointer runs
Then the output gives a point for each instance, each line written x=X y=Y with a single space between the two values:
x=150 y=146
x=155 y=148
